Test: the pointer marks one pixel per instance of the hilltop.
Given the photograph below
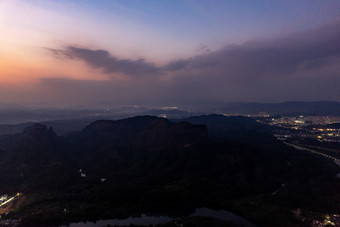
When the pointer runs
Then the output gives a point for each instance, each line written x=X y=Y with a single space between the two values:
x=153 y=165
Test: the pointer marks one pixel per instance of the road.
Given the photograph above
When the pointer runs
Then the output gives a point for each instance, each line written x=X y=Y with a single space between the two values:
x=9 y=200
x=299 y=147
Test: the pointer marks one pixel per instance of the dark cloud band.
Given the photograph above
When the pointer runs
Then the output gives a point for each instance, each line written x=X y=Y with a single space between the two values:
x=303 y=66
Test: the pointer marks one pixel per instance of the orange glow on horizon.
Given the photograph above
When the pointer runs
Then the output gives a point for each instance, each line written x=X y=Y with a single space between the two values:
x=16 y=68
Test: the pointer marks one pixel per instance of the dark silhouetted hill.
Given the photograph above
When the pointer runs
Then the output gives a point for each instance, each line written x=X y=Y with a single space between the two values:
x=153 y=165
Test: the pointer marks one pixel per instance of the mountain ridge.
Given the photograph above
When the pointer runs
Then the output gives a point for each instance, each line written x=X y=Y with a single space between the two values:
x=150 y=164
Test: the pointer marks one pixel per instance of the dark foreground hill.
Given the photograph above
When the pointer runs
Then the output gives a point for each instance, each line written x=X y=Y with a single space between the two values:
x=151 y=165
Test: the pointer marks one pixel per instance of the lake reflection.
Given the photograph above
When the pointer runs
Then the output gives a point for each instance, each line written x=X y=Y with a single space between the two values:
x=142 y=220
x=153 y=220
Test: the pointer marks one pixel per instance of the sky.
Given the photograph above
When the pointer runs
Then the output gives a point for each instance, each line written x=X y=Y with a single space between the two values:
x=169 y=52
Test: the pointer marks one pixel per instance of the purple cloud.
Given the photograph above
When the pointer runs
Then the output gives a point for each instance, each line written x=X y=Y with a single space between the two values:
x=102 y=59
x=304 y=66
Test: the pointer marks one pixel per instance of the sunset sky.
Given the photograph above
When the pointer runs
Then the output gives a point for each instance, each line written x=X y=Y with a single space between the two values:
x=169 y=52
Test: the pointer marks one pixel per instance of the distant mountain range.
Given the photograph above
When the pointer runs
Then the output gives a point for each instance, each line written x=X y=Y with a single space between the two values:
x=20 y=114
x=284 y=108
x=65 y=121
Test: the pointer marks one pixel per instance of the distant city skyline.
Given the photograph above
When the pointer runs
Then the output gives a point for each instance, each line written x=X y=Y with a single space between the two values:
x=66 y=53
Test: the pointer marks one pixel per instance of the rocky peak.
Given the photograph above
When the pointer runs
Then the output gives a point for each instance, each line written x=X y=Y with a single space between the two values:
x=38 y=139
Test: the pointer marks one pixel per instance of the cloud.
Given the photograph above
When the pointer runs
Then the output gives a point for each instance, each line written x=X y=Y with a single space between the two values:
x=176 y=65
x=202 y=48
x=254 y=59
x=304 y=66
x=271 y=58
x=102 y=59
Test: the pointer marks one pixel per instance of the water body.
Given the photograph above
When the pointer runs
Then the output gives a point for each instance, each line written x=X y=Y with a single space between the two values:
x=338 y=163
x=153 y=220
x=142 y=220
x=221 y=215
